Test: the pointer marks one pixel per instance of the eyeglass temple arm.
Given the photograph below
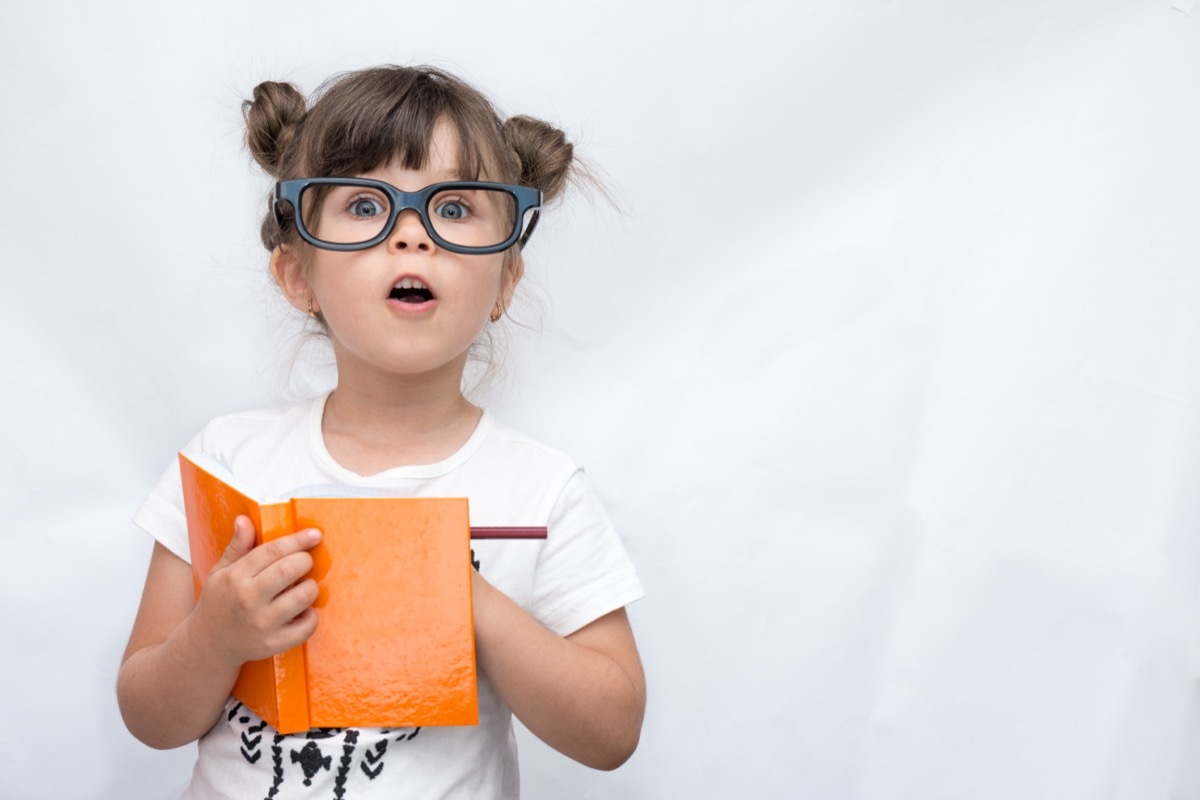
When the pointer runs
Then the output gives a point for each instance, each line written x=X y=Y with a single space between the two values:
x=529 y=231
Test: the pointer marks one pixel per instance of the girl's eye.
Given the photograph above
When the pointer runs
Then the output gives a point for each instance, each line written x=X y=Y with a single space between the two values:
x=451 y=210
x=365 y=207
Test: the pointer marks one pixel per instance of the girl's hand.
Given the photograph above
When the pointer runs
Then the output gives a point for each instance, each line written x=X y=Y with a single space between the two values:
x=584 y=695
x=184 y=655
x=254 y=603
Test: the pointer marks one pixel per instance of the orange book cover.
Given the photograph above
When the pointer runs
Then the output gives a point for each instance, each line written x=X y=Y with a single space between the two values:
x=395 y=644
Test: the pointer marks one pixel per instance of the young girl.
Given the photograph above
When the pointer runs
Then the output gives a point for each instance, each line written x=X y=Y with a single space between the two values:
x=397 y=223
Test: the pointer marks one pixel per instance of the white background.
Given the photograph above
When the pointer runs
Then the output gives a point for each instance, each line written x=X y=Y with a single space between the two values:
x=887 y=368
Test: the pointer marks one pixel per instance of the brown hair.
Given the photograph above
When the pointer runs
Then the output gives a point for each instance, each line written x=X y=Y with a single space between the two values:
x=362 y=120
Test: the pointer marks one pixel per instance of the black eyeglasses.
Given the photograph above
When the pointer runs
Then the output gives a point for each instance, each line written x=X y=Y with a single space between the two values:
x=472 y=217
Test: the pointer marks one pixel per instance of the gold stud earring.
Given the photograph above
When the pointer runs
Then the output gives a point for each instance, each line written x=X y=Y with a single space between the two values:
x=312 y=313
x=497 y=312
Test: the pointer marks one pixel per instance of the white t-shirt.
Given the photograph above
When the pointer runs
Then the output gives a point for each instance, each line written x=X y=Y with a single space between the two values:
x=579 y=573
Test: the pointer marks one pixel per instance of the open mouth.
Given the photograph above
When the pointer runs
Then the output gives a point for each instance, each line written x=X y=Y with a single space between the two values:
x=411 y=290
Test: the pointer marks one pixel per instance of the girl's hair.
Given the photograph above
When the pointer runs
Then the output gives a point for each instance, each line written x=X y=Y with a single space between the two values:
x=363 y=120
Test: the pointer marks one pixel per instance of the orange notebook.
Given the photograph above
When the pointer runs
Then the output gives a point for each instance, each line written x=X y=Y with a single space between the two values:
x=394 y=645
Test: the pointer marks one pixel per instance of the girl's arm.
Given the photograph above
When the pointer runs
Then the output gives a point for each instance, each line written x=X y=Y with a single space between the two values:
x=183 y=657
x=584 y=695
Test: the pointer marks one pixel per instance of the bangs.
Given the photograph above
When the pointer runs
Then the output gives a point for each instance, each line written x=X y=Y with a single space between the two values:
x=389 y=117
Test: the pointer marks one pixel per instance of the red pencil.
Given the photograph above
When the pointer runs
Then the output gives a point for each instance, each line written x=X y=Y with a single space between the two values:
x=507 y=533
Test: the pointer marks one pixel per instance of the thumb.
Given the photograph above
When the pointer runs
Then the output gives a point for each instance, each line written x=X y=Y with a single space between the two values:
x=241 y=543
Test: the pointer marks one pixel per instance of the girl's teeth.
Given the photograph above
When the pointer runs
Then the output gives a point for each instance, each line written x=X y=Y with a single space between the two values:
x=411 y=290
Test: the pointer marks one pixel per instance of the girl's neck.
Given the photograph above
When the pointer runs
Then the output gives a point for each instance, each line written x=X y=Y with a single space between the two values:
x=372 y=425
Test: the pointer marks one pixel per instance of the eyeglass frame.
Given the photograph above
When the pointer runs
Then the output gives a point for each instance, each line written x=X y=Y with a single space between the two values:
x=526 y=198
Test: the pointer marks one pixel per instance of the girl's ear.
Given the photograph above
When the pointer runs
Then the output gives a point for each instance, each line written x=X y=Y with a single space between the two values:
x=514 y=270
x=289 y=274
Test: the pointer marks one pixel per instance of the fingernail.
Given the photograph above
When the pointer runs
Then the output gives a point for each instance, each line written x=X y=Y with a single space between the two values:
x=314 y=535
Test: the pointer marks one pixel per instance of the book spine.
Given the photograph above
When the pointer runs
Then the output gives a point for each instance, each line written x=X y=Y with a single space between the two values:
x=291 y=672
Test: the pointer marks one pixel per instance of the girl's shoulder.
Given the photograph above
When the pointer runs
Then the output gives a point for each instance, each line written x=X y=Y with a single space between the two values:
x=272 y=444
x=283 y=421
x=513 y=445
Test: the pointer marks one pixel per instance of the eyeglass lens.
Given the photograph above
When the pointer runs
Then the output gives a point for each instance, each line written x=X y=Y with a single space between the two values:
x=474 y=217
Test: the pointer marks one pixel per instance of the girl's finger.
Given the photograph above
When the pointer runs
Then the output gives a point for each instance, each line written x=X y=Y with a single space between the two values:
x=283 y=574
x=265 y=555
x=241 y=544
x=295 y=601
x=300 y=629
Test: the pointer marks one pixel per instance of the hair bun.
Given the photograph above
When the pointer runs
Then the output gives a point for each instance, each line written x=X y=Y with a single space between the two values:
x=271 y=121
x=546 y=157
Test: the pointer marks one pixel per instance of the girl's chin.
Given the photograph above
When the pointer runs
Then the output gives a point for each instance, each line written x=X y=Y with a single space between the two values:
x=406 y=367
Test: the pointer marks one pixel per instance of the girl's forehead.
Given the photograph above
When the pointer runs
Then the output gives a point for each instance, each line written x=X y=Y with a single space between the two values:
x=440 y=152
x=434 y=169
x=439 y=155
x=444 y=147
x=408 y=178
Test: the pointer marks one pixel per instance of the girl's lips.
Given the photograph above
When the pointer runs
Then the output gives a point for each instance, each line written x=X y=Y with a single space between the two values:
x=409 y=307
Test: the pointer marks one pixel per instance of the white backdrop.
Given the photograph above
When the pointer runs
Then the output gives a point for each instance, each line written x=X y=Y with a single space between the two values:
x=887 y=368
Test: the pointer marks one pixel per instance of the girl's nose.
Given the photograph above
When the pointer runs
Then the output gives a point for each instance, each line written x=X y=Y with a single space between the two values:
x=410 y=233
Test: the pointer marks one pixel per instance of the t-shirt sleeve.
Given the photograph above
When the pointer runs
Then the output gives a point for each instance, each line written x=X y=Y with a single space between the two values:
x=583 y=571
x=161 y=514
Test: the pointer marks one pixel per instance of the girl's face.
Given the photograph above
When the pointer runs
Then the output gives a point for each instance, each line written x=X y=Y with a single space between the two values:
x=406 y=306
